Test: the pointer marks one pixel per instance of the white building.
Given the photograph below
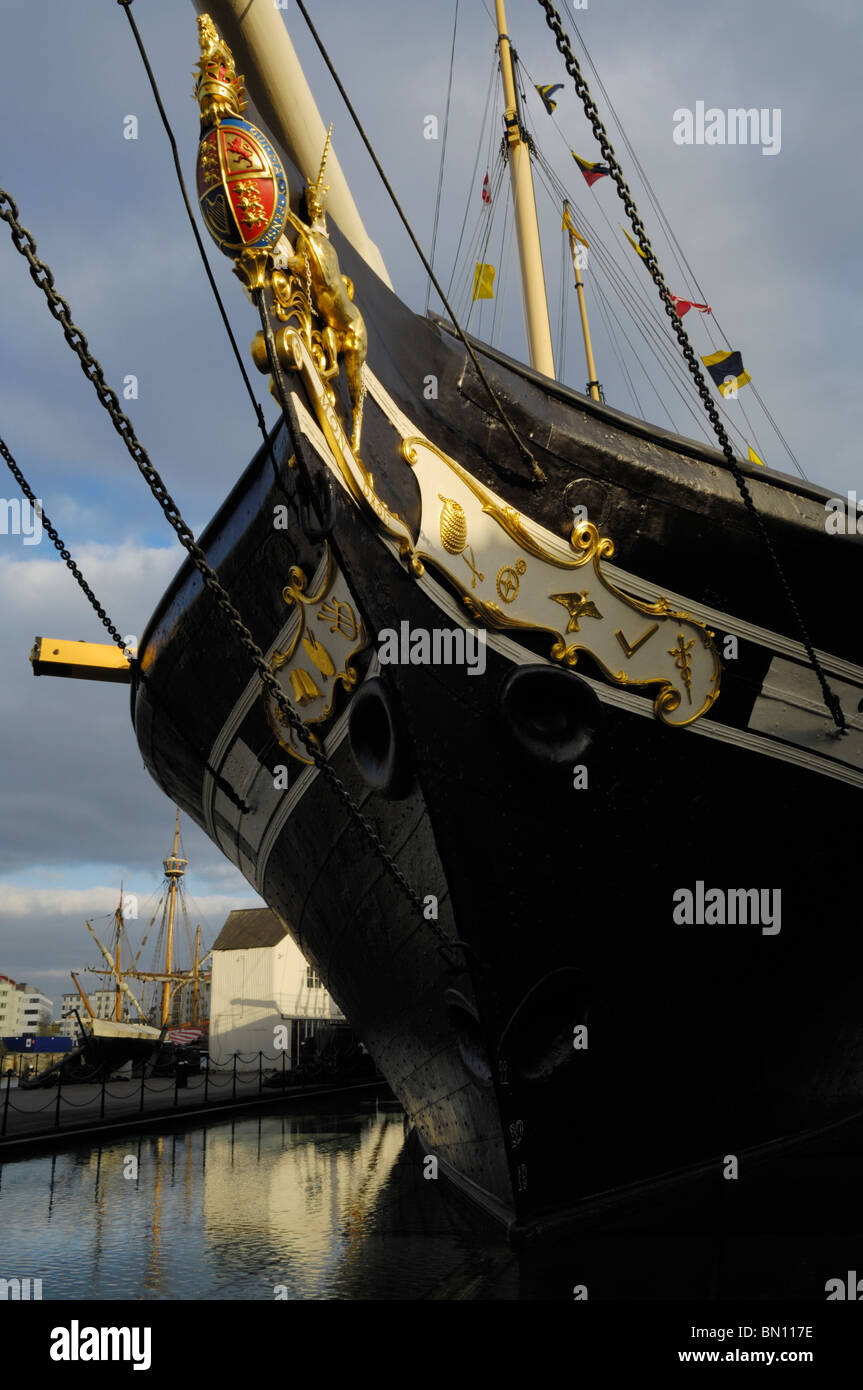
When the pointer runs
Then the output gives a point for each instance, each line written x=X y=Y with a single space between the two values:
x=103 y=1002
x=23 y=1009
x=265 y=997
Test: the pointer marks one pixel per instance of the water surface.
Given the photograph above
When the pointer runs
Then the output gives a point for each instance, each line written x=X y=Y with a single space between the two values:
x=314 y=1206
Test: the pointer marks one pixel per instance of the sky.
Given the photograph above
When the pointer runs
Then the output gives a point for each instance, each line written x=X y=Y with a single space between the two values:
x=772 y=241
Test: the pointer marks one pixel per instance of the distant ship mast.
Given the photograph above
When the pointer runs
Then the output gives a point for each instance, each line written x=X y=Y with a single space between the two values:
x=171 y=980
x=174 y=869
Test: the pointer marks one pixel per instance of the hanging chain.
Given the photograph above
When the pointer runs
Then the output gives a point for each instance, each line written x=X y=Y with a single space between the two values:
x=831 y=700
x=58 y=544
x=59 y=309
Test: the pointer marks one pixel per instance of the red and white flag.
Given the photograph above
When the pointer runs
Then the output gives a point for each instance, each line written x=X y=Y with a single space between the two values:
x=184 y=1036
x=486 y=196
x=684 y=305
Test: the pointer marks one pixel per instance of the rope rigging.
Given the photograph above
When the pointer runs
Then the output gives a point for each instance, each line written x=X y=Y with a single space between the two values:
x=256 y=407
x=473 y=178
x=443 y=152
x=831 y=700
x=676 y=248
x=537 y=475
x=631 y=290
x=59 y=310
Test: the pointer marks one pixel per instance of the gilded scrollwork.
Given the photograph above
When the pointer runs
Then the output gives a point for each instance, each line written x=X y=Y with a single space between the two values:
x=319 y=657
x=528 y=593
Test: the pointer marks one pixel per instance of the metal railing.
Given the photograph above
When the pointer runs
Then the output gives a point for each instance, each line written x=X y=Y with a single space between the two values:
x=245 y=1068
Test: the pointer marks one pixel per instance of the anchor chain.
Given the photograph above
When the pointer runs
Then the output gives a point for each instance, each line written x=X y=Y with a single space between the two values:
x=59 y=544
x=553 y=20
x=59 y=309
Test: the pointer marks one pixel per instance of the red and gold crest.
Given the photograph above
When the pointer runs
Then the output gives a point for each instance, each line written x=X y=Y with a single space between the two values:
x=242 y=188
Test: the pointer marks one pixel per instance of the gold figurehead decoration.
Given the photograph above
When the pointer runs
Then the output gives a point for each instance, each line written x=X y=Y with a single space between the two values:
x=244 y=198
x=219 y=91
x=242 y=188
x=315 y=262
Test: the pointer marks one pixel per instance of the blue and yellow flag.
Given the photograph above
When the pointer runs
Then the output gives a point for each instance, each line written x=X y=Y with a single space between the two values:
x=726 y=368
x=483 y=281
x=547 y=92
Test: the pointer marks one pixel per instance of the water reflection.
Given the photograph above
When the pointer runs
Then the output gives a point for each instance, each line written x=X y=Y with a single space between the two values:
x=310 y=1206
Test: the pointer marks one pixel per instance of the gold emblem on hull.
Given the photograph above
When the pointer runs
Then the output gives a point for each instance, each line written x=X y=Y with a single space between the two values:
x=326 y=611
x=577 y=606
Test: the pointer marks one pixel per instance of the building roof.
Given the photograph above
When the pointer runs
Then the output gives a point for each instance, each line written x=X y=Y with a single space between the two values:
x=250 y=927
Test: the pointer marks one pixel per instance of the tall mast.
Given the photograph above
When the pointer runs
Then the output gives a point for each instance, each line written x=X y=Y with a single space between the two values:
x=592 y=383
x=527 y=227
x=174 y=870
x=195 y=985
x=118 y=993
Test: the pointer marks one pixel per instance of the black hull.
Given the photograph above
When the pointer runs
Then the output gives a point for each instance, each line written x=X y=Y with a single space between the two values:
x=704 y=1041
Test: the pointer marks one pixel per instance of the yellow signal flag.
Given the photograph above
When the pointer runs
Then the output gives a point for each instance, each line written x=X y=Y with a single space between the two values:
x=568 y=227
x=633 y=244
x=753 y=457
x=483 y=281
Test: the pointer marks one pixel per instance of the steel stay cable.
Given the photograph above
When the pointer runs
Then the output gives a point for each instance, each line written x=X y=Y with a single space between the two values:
x=59 y=545
x=308 y=742
x=59 y=310
x=100 y=611
x=831 y=700
x=443 y=152
x=256 y=406
x=537 y=474
x=676 y=248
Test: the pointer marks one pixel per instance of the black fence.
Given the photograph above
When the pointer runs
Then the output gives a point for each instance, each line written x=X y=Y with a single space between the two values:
x=242 y=1073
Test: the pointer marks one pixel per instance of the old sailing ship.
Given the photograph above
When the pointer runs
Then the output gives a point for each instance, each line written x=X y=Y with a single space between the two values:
x=128 y=1033
x=505 y=939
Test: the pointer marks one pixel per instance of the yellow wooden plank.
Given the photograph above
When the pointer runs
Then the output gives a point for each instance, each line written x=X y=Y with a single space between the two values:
x=86 y=661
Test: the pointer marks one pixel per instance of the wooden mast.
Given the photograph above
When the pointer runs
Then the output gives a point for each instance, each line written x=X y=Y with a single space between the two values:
x=592 y=382
x=82 y=994
x=527 y=227
x=195 y=985
x=174 y=870
x=119 y=925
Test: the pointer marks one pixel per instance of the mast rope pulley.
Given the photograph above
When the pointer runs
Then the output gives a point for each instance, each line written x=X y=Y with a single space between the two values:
x=59 y=310
x=831 y=700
